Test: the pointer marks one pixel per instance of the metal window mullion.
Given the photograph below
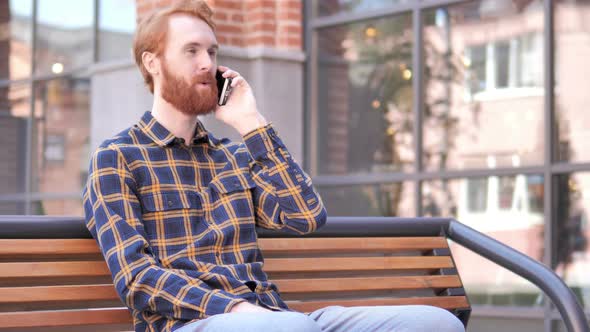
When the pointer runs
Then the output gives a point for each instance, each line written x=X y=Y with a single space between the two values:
x=29 y=129
x=395 y=9
x=566 y=168
x=418 y=102
x=352 y=179
x=549 y=208
x=95 y=30
x=48 y=76
x=307 y=44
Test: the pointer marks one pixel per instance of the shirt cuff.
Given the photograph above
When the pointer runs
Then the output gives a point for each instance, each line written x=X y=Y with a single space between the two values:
x=261 y=141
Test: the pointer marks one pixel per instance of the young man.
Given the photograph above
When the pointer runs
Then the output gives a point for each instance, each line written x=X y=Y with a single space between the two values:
x=174 y=209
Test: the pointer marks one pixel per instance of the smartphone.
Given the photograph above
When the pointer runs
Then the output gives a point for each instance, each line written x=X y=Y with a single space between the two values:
x=223 y=88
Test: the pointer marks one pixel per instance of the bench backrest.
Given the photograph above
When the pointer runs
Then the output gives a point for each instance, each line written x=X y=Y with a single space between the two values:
x=58 y=283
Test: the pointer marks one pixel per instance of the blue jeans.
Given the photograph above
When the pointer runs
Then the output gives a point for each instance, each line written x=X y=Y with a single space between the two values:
x=415 y=318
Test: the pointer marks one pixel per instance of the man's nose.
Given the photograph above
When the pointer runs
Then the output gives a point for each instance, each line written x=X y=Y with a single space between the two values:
x=205 y=62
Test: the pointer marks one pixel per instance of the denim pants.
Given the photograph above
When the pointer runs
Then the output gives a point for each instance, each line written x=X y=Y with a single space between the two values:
x=415 y=318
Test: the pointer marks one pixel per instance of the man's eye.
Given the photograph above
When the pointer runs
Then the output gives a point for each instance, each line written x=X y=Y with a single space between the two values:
x=192 y=51
x=212 y=52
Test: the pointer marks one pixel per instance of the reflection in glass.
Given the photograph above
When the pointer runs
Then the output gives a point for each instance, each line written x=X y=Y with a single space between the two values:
x=116 y=25
x=364 y=105
x=505 y=208
x=61 y=135
x=64 y=35
x=391 y=199
x=14 y=109
x=573 y=233
x=15 y=38
x=331 y=7
x=572 y=76
x=484 y=85
x=12 y=207
x=62 y=207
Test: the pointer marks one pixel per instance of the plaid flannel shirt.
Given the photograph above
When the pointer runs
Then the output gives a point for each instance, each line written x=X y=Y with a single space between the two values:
x=176 y=223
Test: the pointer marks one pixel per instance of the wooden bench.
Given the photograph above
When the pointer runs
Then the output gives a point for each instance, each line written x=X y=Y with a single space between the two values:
x=65 y=283
x=53 y=276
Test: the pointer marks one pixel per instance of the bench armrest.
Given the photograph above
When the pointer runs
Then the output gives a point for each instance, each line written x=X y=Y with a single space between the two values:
x=540 y=275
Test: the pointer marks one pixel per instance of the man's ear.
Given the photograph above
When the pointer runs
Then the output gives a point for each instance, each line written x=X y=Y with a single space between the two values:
x=151 y=63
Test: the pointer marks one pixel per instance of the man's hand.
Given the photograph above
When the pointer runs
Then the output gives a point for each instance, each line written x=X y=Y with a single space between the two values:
x=247 y=307
x=240 y=111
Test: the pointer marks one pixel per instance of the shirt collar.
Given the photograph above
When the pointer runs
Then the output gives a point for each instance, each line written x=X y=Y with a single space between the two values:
x=163 y=137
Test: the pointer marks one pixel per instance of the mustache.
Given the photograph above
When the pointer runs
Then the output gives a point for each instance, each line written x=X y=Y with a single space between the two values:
x=205 y=77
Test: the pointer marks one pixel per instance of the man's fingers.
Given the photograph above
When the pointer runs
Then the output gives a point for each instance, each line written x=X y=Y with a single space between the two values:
x=237 y=81
x=230 y=73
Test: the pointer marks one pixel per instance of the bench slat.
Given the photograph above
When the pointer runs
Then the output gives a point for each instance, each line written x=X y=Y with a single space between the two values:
x=99 y=268
x=445 y=302
x=336 y=245
x=364 y=284
x=19 y=295
x=272 y=265
x=62 y=247
x=47 y=247
x=65 y=318
x=122 y=316
x=287 y=286
x=54 y=269
x=325 y=264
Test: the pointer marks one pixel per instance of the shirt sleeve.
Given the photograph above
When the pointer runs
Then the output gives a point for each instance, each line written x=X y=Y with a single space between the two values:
x=113 y=216
x=284 y=197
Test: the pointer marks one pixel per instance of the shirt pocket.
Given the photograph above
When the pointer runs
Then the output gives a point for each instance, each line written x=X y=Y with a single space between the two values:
x=237 y=181
x=171 y=201
x=171 y=219
x=232 y=197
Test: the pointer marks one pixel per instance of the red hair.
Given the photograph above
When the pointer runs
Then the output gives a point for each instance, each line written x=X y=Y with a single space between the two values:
x=152 y=31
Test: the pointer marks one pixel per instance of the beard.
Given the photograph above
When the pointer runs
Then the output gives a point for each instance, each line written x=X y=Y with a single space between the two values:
x=189 y=98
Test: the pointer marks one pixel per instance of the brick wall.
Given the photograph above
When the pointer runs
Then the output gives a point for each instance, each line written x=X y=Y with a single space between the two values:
x=250 y=23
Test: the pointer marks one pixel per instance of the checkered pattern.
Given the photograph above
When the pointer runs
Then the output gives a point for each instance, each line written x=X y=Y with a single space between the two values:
x=176 y=223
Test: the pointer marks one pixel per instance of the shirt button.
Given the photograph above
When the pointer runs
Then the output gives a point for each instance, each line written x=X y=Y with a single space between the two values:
x=170 y=203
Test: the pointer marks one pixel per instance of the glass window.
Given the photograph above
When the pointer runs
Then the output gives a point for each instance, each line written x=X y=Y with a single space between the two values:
x=15 y=38
x=331 y=7
x=116 y=25
x=476 y=75
x=502 y=52
x=61 y=133
x=506 y=192
x=477 y=194
x=64 y=35
x=481 y=204
x=572 y=75
x=58 y=207
x=364 y=107
x=572 y=193
x=483 y=79
x=14 y=110
x=391 y=199
x=12 y=207
x=530 y=63
x=513 y=63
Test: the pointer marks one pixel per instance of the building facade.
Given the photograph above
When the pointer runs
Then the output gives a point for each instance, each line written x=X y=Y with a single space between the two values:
x=474 y=109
